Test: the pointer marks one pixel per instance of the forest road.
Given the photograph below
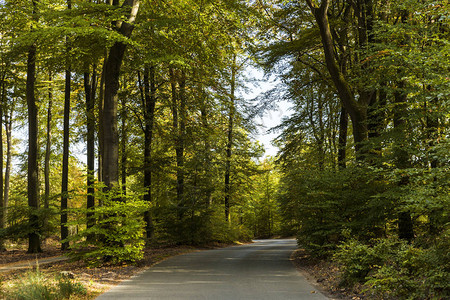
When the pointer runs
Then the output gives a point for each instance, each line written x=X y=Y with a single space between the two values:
x=257 y=271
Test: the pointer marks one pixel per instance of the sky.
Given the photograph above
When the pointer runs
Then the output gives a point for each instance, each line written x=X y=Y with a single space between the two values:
x=271 y=118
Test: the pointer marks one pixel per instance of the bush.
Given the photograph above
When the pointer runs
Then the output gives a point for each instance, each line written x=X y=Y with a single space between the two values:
x=117 y=234
x=392 y=269
x=68 y=287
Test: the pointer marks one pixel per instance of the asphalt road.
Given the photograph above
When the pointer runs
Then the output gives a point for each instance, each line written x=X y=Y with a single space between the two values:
x=261 y=270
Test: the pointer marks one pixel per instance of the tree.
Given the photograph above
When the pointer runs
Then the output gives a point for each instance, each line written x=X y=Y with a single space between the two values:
x=110 y=155
x=34 y=244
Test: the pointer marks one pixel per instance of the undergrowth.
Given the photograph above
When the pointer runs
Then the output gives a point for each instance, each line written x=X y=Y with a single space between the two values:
x=35 y=285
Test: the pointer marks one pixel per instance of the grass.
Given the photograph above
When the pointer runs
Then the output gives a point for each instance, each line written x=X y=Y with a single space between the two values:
x=36 y=285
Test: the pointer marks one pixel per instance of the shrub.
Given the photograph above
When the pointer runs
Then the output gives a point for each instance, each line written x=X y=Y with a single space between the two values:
x=393 y=269
x=117 y=234
x=68 y=287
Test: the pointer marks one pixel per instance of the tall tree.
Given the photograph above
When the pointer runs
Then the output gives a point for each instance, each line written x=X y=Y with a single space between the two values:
x=229 y=145
x=90 y=83
x=149 y=116
x=110 y=159
x=48 y=145
x=34 y=243
x=178 y=107
x=357 y=109
x=2 y=202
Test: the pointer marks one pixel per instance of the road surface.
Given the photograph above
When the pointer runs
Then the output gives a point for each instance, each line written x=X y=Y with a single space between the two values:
x=261 y=270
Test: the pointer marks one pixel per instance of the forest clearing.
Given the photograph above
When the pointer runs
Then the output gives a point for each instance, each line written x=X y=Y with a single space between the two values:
x=128 y=135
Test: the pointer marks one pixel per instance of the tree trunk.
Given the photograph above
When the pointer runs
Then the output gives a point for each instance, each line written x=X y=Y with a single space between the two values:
x=149 y=114
x=89 y=89
x=405 y=225
x=123 y=146
x=2 y=202
x=110 y=161
x=356 y=110
x=65 y=162
x=48 y=146
x=207 y=149
x=229 y=145
x=178 y=121
x=34 y=243
x=101 y=102
x=8 y=131
x=343 y=128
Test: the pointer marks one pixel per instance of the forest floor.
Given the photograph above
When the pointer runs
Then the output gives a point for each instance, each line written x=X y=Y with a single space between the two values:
x=325 y=276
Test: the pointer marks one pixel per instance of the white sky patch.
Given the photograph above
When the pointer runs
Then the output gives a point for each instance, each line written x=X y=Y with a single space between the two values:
x=272 y=117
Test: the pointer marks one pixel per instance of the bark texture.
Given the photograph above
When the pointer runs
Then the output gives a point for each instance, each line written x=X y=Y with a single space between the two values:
x=34 y=242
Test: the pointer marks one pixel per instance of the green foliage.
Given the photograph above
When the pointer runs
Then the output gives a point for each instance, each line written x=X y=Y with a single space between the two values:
x=393 y=269
x=325 y=204
x=68 y=286
x=118 y=233
x=36 y=285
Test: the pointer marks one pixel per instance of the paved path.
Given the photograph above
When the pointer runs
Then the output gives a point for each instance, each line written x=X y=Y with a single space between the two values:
x=259 y=271
x=31 y=263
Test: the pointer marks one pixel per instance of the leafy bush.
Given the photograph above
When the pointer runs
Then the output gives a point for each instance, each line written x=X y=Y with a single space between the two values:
x=392 y=269
x=358 y=260
x=117 y=234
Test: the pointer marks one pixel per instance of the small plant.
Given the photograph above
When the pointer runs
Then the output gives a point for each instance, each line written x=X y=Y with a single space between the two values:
x=68 y=287
x=36 y=285
x=117 y=233
x=33 y=286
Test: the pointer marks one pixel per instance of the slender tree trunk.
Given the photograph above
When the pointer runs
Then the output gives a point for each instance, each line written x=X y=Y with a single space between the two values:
x=123 y=146
x=101 y=102
x=321 y=135
x=178 y=121
x=89 y=89
x=206 y=136
x=405 y=225
x=229 y=145
x=181 y=141
x=65 y=163
x=149 y=113
x=432 y=127
x=343 y=128
x=48 y=146
x=2 y=202
x=8 y=131
x=34 y=242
